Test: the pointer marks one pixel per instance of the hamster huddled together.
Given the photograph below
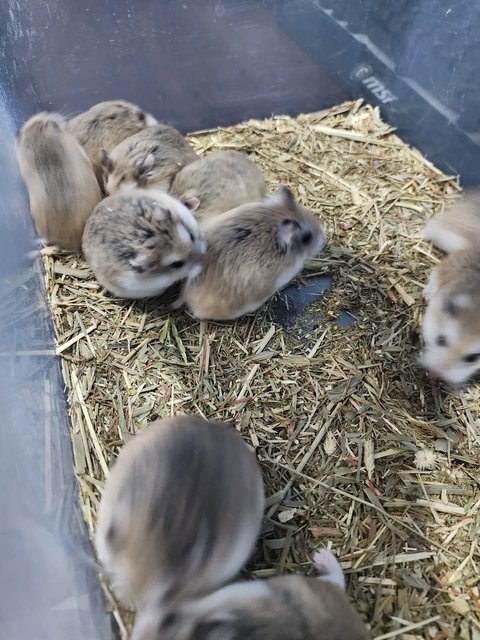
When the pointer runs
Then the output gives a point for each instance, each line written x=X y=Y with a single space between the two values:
x=182 y=507
x=169 y=216
x=172 y=542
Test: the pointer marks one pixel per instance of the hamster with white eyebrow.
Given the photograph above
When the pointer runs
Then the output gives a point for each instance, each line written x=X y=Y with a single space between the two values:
x=451 y=324
x=140 y=243
x=252 y=251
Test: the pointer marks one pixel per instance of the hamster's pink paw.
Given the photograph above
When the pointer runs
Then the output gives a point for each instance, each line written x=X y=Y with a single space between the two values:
x=426 y=294
x=328 y=567
x=325 y=562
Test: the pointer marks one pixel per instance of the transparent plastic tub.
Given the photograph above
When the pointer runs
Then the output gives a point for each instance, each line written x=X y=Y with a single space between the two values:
x=195 y=64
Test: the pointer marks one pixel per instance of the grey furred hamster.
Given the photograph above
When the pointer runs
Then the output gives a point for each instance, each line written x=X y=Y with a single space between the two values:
x=140 y=243
x=458 y=227
x=218 y=182
x=179 y=515
x=252 y=252
x=289 y=607
x=150 y=158
x=61 y=185
x=451 y=327
x=105 y=125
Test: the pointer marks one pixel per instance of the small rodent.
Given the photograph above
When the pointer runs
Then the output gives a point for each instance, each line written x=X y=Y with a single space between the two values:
x=451 y=327
x=218 y=182
x=150 y=158
x=459 y=225
x=252 y=251
x=61 y=185
x=179 y=515
x=105 y=125
x=140 y=243
x=284 y=608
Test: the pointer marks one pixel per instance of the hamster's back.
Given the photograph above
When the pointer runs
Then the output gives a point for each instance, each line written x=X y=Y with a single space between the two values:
x=182 y=508
x=108 y=123
x=105 y=125
x=282 y=608
x=220 y=181
x=458 y=227
x=60 y=180
x=155 y=140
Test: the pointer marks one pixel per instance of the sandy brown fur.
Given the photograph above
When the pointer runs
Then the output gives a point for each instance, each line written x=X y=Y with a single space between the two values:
x=219 y=182
x=104 y=126
x=451 y=327
x=170 y=153
x=245 y=260
x=61 y=184
x=459 y=225
x=133 y=241
x=291 y=608
x=459 y=273
x=182 y=496
x=298 y=609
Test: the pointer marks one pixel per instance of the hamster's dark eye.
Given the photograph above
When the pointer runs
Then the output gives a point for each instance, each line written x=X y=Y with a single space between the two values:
x=307 y=237
x=177 y=264
x=471 y=358
x=169 y=620
x=442 y=341
x=141 y=116
x=288 y=222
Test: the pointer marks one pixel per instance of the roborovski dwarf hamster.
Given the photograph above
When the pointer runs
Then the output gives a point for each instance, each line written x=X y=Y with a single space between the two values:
x=61 y=185
x=459 y=225
x=218 y=182
x=105 y=125
x=283 y=608
x=179 y=515
x=451 y=324
x=150 y=158
x=140 y=243
x=252 y=252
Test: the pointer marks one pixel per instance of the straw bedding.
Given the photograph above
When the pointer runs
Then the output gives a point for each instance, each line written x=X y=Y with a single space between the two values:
x=359 y=450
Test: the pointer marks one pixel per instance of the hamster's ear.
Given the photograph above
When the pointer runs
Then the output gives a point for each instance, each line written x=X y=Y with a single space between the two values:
x=161 y=212
x=191 y=202
x=144 y=165
x=106 y=161
x=286 y=231
x=140 y=261
x=283 y=196
x=57 y=120
x=456 y=302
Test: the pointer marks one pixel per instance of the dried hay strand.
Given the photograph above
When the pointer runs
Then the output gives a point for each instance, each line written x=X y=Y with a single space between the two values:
x=360 y=452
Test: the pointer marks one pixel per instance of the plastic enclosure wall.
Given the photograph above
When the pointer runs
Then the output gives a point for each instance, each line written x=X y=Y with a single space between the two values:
x=194 y=64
